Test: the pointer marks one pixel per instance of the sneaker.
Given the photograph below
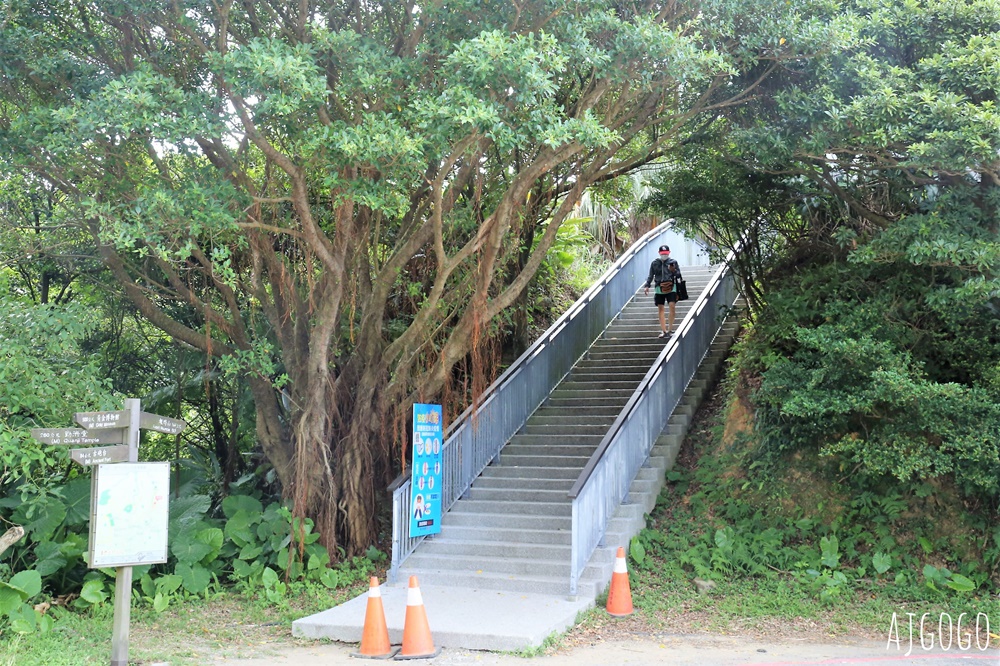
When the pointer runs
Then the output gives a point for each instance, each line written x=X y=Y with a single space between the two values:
x=664 y=335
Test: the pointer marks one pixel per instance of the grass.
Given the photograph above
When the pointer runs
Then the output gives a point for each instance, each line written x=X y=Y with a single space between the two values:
x=189 y=632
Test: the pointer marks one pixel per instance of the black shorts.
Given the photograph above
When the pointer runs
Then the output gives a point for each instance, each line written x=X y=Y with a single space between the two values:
x=660 y=299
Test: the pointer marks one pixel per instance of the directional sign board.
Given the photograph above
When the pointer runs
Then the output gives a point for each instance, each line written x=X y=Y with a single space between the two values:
x=96 y=420
x=159 y=423
x=100 y=454
x=76 y=436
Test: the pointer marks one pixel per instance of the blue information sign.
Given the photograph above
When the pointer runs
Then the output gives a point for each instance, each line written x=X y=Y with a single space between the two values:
x=425 y=485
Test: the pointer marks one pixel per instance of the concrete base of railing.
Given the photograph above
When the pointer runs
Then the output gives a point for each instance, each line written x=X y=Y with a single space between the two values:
x=630 y=519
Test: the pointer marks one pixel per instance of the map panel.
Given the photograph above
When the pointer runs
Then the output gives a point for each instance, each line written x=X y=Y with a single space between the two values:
x=129 y=512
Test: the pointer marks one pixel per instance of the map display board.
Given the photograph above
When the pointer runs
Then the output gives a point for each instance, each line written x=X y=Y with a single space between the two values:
x=128 y=514
x=425 y=482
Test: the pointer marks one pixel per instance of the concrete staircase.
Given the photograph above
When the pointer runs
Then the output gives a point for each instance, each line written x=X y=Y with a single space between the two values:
x=511 y=531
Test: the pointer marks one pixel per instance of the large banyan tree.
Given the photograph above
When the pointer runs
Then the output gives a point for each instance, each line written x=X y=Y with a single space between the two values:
x=338 y=198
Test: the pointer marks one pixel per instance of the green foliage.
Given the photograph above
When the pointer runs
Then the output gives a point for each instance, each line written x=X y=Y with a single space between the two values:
x=14 y=595
x=879 y=378
x=721 y=528
x=865 y=187
x=44 y=375
x=348 y=188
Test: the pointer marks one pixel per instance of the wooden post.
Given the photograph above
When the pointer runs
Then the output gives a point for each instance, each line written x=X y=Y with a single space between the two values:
x=123 y=575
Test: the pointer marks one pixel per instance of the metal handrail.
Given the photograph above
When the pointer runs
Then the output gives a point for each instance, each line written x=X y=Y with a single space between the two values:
x=604 y=481
x=476 y=437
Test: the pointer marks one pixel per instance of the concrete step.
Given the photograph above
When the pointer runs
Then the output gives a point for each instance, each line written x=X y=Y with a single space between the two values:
x=505 y=582
x=510 y=472
x=516 y=495
x=562 y=394
x=516 y=535
x=495 y=482
x=557 y=419
x=613 y=403
x=572 y=462
x=523 y=509
x=648 y=355
x=556 y=438
x=543 y=449
x=635 y=340
x=457 y=516
x=591 y=366
x=517 y=566
x=564 y=430
x=441 y=545
x=606 y=384
x=595 y=411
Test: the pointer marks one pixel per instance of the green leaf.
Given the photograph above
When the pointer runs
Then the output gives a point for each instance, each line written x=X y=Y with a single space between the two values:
x=93 y=591
x=238 y=528
x=147 y=586
x=49 y=558
x=330 y=578
x=10 y=599
x=168 y=584
x=236 y=503
x=196 y=578
x=160 y=602
x=211 y=537
x=269 y=577
x=830 y=551
x=24 y=620
x=882 y=562
x=49 y=515
x=187 y=511
x=76 y=494
x=45 y=624
x=29 y=583
x=637 y=551
x=960 y=583
x=188 y=549
x=241 y=569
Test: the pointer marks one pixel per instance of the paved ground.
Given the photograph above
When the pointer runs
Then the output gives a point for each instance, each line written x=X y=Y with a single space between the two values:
x=677 y=650
x=460 y=617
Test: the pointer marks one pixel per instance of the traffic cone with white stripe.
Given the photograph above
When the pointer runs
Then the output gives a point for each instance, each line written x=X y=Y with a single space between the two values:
x=417 y=641
x=375 y=635
x=620 y=594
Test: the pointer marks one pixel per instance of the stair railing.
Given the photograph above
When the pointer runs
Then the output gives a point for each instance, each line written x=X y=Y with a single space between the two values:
x=604 y=482
x=475 y=438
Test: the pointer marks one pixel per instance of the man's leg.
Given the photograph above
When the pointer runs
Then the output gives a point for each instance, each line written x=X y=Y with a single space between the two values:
x=663 y=323
x=673 y=306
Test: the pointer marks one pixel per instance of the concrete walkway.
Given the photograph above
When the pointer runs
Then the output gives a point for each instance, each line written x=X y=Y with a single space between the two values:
x=676 y=650
x=458 y=617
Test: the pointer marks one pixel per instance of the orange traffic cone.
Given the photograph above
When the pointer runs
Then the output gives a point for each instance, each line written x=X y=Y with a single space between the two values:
x=620 y=594
x=417 y=641
x=375 y=635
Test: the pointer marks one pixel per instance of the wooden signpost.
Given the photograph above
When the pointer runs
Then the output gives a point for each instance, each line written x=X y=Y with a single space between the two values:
x=116 y=435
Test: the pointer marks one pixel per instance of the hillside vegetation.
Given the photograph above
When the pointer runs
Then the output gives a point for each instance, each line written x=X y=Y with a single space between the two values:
x=863 y=191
